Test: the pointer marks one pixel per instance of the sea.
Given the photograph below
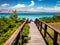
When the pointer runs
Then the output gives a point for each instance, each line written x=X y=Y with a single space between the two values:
x=32 y=16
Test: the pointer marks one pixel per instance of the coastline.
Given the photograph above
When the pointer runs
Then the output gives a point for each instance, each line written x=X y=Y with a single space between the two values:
x=29 y=15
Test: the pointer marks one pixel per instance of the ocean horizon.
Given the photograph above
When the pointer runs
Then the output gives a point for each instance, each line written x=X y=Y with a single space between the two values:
x=29 y=15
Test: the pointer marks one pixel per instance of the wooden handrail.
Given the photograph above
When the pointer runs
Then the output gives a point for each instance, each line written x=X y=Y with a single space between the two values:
x=53 y=28
x=39 y=25
x=15 y=34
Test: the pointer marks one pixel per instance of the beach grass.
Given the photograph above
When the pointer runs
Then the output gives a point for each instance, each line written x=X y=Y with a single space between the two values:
x=51 y=32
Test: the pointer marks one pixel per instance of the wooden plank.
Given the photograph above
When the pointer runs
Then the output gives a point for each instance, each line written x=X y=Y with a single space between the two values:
x=36 y=37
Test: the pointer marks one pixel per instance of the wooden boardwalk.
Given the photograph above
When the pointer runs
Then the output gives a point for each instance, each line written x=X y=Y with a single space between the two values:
x=36 y=38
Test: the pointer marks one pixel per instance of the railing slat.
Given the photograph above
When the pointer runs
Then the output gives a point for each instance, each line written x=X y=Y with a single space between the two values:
x=55 y=38
x=41 y=27
x=45 y=30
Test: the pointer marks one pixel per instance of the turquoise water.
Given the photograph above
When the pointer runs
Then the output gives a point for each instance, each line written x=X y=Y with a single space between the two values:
x=30 y=16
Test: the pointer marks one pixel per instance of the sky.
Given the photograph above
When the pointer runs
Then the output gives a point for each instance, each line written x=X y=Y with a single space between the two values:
x=31 y=5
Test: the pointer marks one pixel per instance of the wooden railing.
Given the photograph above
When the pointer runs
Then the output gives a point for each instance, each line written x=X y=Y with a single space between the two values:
x=44 y=27
x=16 y=36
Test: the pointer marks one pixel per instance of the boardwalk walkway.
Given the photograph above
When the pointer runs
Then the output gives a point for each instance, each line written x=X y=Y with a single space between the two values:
x=36 y=38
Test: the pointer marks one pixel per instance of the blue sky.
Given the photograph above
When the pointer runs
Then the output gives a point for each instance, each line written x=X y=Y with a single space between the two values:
x=31 y=5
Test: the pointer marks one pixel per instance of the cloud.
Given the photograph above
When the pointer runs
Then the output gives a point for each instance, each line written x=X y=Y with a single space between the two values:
x=5 y=4
x=49 y=9
x=18 y=6
x=39 y=7
x=31 y=9
x=32 y=4
x=23 y=7
x=45 y=9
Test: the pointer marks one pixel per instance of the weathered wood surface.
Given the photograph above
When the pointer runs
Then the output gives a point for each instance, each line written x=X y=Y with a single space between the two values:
x=36 y=38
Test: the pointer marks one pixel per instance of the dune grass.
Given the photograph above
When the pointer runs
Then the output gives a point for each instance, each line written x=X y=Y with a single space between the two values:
x=51 y=32
x=56 y=25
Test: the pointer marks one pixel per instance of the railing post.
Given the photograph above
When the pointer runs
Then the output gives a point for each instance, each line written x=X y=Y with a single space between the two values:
x=27 y=21
x=38 y=26
x=55 y=38
x=41 y=27
x=45 y=30
x=36 y=22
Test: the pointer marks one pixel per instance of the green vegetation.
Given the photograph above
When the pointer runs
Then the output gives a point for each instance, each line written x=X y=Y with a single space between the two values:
x=8 y=26
x=25 y=33
x=56 y=25
x=54 y=21
x=51 y=32
x=55 y=18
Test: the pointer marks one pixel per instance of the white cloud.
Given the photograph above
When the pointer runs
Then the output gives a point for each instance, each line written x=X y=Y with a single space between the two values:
x=18 y=6
x=32 y=4
x=31 y=9
x=23 y=7
x=57 y=8
x=39 y=7
x=5 y=4
x=49 y=9
x=45 y=9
